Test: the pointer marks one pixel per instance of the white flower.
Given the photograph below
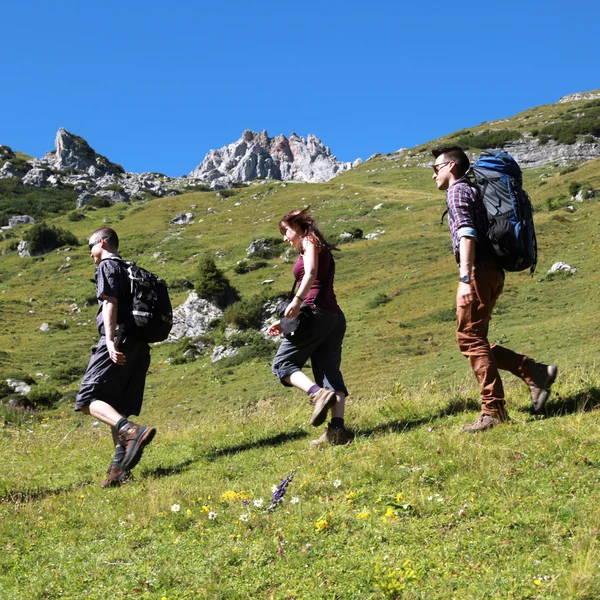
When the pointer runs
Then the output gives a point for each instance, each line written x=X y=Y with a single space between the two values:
x=175 y=508
x=337 y=483
x=244 y=517
x=212 y=515
x=294 y=500
x=273 y=489
x=258 y=502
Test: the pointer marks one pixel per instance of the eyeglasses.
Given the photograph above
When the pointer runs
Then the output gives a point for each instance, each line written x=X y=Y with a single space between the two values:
x=92 y=244
x=436 y=168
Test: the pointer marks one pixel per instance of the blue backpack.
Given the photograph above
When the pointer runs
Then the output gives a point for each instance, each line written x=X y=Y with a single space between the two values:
x=498 y=180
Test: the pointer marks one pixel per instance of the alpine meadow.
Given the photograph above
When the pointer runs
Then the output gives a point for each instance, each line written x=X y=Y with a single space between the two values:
x=413 y=508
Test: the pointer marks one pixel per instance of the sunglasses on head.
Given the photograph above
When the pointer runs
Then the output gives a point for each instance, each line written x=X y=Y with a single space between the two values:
x=92 y=244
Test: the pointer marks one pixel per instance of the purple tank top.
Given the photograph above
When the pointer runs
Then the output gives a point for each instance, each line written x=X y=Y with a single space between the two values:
x=327 y=300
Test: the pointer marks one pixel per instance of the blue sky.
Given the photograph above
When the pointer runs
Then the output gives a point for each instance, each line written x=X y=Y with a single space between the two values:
x=155 y=85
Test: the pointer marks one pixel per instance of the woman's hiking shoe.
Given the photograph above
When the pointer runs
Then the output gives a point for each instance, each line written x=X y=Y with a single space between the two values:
x=333 y=436
x=485 y=422
x=134 y=438
x=541 y=381
x=115 y=476
x=323 y=400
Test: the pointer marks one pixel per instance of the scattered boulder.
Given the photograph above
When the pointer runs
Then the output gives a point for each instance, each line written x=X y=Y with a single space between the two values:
x=18 y=386
x=562 y=267
x=182 y=219
x=23 y=249
x=192 y=318
x=83 y=199
x=374 y=235
x=114 y=196
x=36 y=177
x=20 y=220
x=220 y=352
x=44 y=327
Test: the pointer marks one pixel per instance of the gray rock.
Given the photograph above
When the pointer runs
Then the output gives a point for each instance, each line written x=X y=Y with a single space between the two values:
x=256 y=155
x=23 y=249
x=182 y=219
x=83 y=199
x=44 y=327
x=20 y=220
x=115 y=196
x=374 y=235
x=18 y=386
x=221 y=352
x=191 y=318
x=561 y=266
x=36 y=177
x=9 y=171
x=6 y=153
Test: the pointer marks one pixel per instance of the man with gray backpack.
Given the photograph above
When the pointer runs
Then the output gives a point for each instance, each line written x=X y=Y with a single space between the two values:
x=491 y=226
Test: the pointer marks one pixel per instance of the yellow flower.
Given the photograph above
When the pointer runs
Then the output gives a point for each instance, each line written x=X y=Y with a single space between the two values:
x=362 y=515
x=229 y=496
x=188 y=512
x=537 y=582
x=321 y=525
x=350 y=496
x=399 y=498
x=378 y=501
x=205 y=509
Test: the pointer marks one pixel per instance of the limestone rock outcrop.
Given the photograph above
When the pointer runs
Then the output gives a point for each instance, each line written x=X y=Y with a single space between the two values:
x=256 y=155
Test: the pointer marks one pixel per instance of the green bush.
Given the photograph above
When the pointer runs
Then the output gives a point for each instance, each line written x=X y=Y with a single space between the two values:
x=44 y=396
x=243 y=266
x=246 y=314
x=44 y=238
x=75 y=216
x=490 y=138
x=5 y=389
x=566 y=132
x=98 y=202
x=68 y=373
x=379 y=300
x=574 y=187
x=212 y=284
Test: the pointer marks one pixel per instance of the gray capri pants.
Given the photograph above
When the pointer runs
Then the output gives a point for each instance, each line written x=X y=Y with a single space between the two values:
x=121 y=386
x=324 y=348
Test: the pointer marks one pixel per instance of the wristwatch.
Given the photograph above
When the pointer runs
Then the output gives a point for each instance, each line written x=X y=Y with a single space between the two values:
x=465 y=279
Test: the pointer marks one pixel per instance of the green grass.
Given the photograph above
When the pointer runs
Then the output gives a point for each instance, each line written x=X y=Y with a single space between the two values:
x=529 y=527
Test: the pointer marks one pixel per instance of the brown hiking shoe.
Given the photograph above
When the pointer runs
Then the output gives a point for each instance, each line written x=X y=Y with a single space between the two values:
x=541 y=381
x=115 y=476
x=134 y=438
x=485 y=422
x=333 y=436
x=323 y=400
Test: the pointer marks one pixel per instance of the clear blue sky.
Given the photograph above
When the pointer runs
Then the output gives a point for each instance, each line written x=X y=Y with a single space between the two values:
x=155 y=85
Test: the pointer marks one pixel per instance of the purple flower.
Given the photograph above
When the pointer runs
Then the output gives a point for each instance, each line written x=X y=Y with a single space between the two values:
x=280 y=491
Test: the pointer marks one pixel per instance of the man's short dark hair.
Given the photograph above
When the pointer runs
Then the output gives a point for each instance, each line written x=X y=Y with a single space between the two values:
x=110 y=235
x=456 y=154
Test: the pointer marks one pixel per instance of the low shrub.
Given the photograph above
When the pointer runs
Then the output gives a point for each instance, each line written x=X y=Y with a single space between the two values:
x=44 y=238
x=68 y=373
x=379 y=300
x=75 y=216
x=44 y=396
x=248 y=313
x=212 y=284
x=243 y=266
x=490 y=138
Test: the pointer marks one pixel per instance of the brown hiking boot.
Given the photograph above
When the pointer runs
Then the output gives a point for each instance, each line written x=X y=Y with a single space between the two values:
x=485 y=422
x=115 y=476
x=134 y=438
x=333 y=436
x=541 y=381
x=323 y=400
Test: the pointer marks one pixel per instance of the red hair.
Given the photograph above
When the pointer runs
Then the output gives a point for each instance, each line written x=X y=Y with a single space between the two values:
x=304 y=224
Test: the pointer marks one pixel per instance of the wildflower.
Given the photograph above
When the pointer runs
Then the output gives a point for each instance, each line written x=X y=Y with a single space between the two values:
x=363 y=515
x=294 y=500
x=337 y=483
x=350 y=496
x=212 y=515
x=461 y=512
x=229 y=496
x=399 y=498
x=205 y=509
x=273 y=489
x=321 y=525
x=279 y=492
x=188 y=512
x=175 y=508
x=258 y=502
x=244 y=517
x=537 y=582
x=390 y=514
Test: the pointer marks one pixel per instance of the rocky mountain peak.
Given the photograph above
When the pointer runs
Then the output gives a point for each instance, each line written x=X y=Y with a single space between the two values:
x=256 y=155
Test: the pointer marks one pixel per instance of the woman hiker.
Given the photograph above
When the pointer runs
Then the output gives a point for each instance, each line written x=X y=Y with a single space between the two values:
x=314 y=274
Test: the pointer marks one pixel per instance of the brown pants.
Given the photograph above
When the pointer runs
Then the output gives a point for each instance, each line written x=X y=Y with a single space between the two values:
x=472 y=324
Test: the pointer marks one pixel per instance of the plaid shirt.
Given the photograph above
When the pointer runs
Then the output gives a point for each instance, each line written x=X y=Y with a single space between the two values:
x=466 y=216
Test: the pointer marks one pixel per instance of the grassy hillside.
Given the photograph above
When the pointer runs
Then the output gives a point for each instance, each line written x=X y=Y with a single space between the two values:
x=413 y=508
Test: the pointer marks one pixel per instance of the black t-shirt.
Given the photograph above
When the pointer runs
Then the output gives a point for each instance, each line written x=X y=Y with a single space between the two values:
x=112 y=280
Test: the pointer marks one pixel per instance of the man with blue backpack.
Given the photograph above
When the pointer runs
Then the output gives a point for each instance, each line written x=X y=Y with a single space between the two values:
x=491 y=226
